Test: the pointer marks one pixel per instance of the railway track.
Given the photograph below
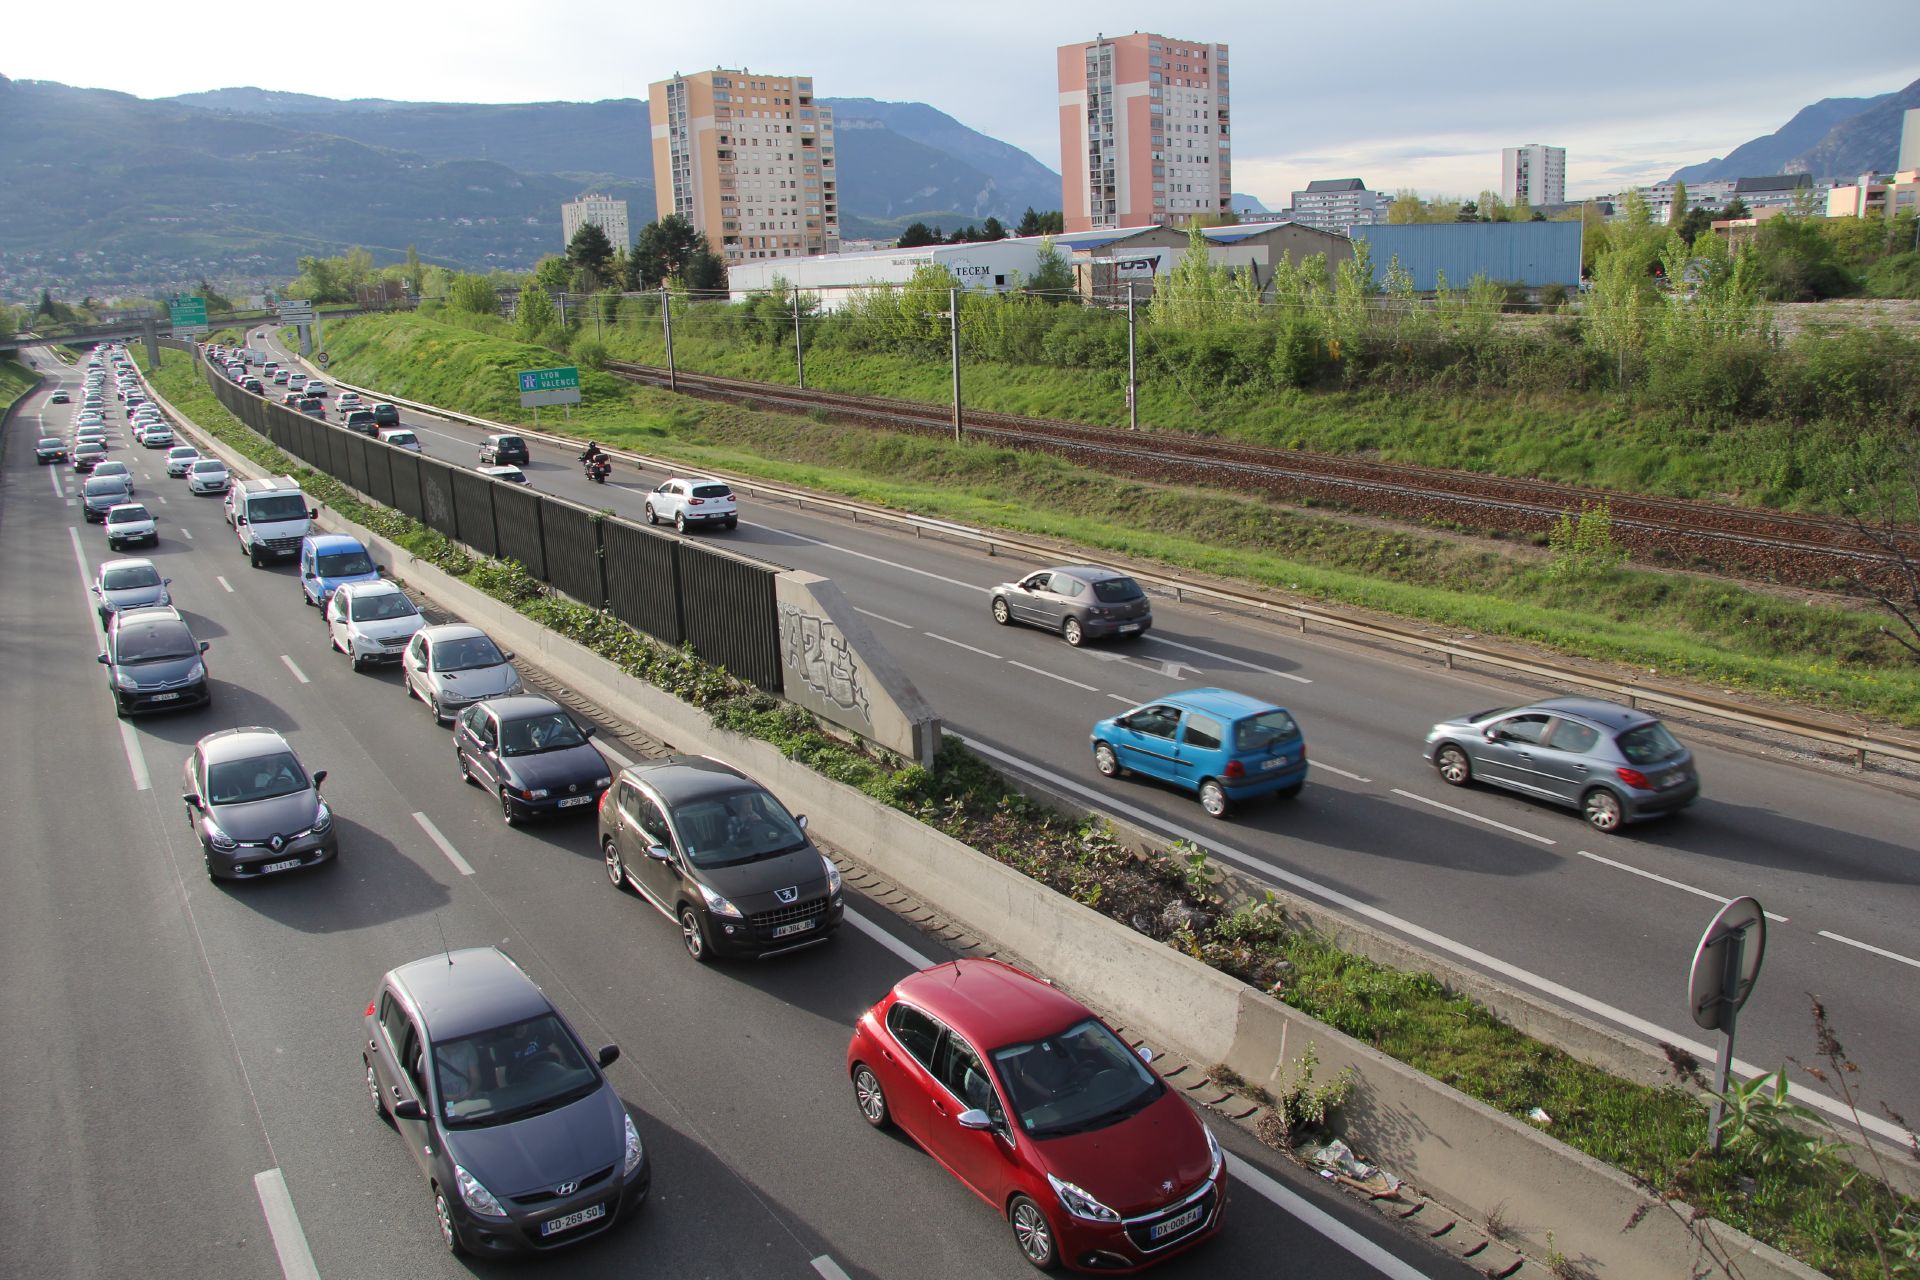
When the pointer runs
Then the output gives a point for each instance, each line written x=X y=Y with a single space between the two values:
x=1805 y=551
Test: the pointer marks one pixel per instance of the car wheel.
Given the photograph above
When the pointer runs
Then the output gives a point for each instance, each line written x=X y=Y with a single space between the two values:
x=448 y=1235
x=1071 y=633
x=1602 y=810
x=353 y=660
x=694 y=935
x=871 y=1097
x=616 y=866
x=1033 y=1233
x=412 y=692
x=651 y=518
x=1105 y=761
x=507 y=815
x=733 y=522
x=1213 y=798
x=206 y=859
x=466 y=774
x=253 y=557
x=680 y=522
x=439 y=716
x=373 y=1091
x=1001 y=613
x=1455 y=769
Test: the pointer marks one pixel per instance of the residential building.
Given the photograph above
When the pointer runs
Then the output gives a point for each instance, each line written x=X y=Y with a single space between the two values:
x=1144 y=132
x=1533 y=175
x=1709 y=194
x=1874 y=196
x=1909 y=140
x=603 y=211
x=747 y=158
x=1781 y=191
x=1335 y=204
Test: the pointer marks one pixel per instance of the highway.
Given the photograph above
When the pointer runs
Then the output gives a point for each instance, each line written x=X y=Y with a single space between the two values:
x=183 y=1059
x=1523 y=890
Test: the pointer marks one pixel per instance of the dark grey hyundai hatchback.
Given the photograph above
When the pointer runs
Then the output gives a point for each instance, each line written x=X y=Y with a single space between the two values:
x=524 y=1143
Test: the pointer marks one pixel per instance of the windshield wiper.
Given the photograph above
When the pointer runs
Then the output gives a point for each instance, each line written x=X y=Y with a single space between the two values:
x=543 y=1105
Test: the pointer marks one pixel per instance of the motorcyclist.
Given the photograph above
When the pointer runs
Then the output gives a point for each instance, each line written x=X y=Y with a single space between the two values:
x=592 y=452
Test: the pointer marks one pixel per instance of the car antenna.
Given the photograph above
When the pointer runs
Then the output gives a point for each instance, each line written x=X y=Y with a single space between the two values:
x=443 y=940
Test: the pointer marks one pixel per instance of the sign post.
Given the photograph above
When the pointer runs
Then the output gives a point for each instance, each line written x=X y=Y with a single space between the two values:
x=560 y=385
x=1725 y=965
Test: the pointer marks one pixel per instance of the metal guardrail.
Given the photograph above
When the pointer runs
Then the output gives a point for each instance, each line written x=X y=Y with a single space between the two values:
x=1861 y=743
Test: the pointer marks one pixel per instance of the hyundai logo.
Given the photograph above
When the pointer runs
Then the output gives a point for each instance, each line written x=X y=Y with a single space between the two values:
x=566 y=1189
x=787 y=895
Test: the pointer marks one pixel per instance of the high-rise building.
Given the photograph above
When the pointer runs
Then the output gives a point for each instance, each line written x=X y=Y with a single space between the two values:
x=747 y=158
x=1144 y=137
x=603 y=211
x=1909 y=140
x=1533 y=175
x=1336 y=204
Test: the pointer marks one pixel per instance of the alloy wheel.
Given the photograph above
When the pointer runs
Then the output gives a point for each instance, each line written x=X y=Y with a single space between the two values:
x=1001 y=614
x=1070 y=631
x=1033 y=1234
x=690 y=933
x=1454 y=766
x=871 y=1097
x=1213 y=798
x=616 y=868
x=1602 y=809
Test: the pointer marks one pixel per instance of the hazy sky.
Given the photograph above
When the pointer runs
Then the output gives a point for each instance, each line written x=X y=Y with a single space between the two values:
x=1398 y=93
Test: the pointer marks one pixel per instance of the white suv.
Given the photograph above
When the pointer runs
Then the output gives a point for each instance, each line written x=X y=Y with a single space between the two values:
x=693 y=502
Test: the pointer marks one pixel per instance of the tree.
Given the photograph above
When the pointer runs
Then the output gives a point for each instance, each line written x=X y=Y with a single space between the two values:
x=993 y=230
x=46 y=304
x=1052 y=274
x=216 y=301
x=474 y=295
x=662 y=252
x=590 y=251
x=1406 y=208
x=416 y=274
x=1677 y=213
x=1736 y=208
x=705 y=274
x=1469 y=212
x=552 y=272
x=917 y=236
x=535 y=314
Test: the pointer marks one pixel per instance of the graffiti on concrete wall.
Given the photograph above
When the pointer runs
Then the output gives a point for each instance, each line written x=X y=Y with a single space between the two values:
x=818 y=657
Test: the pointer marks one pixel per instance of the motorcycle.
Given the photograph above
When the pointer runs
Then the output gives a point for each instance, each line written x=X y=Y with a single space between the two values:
x=596 y=468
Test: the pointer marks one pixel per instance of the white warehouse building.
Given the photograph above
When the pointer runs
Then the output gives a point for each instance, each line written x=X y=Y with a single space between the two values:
x=831 y=279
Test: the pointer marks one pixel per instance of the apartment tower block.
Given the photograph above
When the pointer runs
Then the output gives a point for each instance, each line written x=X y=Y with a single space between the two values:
x=1533 y=175
x=747 y=158
x=603 y=211
x=1144 y=136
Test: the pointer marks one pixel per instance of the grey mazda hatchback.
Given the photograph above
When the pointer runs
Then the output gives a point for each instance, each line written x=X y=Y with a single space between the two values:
x=524 y=1143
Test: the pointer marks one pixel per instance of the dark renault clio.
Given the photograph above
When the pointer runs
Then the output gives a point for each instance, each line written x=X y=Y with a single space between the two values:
x=713 y=850
x=524 y=1143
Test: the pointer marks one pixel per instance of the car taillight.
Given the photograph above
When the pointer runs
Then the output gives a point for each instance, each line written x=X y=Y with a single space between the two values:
x=604 y=796
x=694 y=502
x=1235 y=769
x=1634 y=778
x=370 y=1005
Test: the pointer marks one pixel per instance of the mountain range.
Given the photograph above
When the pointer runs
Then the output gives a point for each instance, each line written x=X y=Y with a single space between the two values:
x=1837 y=138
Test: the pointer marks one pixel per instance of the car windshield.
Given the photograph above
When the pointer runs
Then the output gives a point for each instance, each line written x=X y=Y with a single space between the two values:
x=280 y=506
x=127 y=514
x=130 y=577
x=49 y=442
x=548 y=731
x=386 y=604
x=180 y=453
x=1082 y=1079
x=207 y=466
x=1116 y=590
x=342 y=564
x=259 y=778
x=466 y=654
x=1649 y=744
x=510 y=1072
x=153 y=642
x=717 y=831
x=712 y=491
x=105 y=485
x=1257 y=733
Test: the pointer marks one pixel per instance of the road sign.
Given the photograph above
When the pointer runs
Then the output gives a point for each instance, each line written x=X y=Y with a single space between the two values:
x=296 y=311
x=323 y=359
x=549 y=386
x=189 y=316
x=1725 y=965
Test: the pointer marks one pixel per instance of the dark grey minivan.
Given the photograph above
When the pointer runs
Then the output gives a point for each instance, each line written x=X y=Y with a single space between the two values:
x=714 y=851
x=524 y=1143
x=1081 y=602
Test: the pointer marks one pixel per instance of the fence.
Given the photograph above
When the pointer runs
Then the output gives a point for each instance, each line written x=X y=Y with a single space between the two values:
x=676 y=591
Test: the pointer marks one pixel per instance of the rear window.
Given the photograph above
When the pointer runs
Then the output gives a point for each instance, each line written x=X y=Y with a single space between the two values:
x=712 y=491
x=1649 y=744
x=1257 y=733
x=510 y=442
x=1116 y=590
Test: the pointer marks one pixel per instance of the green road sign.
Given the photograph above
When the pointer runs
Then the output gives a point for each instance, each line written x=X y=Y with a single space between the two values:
x=549 y=386
x=188 y=312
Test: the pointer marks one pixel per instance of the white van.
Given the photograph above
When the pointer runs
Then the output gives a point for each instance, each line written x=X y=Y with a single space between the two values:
x=270 y=517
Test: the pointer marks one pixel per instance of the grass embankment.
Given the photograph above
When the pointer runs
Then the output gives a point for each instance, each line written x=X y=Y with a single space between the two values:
x=1653 y=1134
x=15 y=381
x=1670 y=625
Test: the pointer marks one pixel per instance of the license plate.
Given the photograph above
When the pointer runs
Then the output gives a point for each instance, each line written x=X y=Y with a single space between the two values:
x=1675 y=779
x=1126 y=627
x=571 y=801
x=162 y=697
x=1171 y=1225
x=287 y=865
x=798 y=926
x=554 y=1225
x=1274 y=762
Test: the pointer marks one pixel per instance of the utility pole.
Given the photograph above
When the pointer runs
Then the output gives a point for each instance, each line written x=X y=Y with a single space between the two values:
x=1133 y=389
x=666 y=318
x=953 y=312
x=799 y=349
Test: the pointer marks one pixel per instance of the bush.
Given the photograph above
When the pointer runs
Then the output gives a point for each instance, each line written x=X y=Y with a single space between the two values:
x=590 y=353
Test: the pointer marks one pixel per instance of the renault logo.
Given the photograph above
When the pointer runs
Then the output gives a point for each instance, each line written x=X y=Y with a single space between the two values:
x=277 y=843
x=788 y=894
x=566 y=1189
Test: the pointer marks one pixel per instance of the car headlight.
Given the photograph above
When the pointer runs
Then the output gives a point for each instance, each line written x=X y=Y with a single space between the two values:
x=719 y=905
x=516 y=686
x=634 y=1151
x=1078 y=1203
x=198 y=671
x=477 y=1197
x=833 y=875
x=124 y=681
x=323 y=818
x=215 y=836
x=1219 y=1156
x=537 y=793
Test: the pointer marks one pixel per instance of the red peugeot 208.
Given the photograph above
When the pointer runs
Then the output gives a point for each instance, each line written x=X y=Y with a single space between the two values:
x=1044 y=1112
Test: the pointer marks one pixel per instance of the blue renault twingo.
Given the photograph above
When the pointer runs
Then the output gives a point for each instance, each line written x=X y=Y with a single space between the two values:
x=1225 y=746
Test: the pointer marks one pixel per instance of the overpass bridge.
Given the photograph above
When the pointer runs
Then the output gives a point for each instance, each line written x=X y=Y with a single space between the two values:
x=150 y=329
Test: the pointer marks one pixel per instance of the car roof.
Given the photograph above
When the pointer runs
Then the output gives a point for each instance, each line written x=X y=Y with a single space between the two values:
x=240 y=743
x=376 y=587
x=1089 y=572
x=122 y=506
x=131 y=562
x=149 y=615
x=451 y=631
x=1610 y=714
x=991 y=1003
x=1219 y=702
x=522 y=705
x=218 y=462
x=333 y=542
x=697 y=479
x=458 y=993
x=680 y=779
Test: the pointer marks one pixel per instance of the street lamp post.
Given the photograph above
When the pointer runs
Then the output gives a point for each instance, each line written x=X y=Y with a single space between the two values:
x=1133 y=390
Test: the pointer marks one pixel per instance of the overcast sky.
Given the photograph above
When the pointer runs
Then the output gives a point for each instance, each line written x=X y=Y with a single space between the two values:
x=1400 y=94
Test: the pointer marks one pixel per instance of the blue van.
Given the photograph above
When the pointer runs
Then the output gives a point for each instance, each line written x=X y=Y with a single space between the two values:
x=1224 y=745
x=329 y=560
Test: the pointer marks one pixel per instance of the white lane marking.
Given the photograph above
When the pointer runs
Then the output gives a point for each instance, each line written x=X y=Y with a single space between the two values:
x=1868 y=946
x=1128 y=701
x=1321 y=764
x=298 y=674
x=460 y=864
x=225 y=585
x=1051 y=676
x=828 y=1268
x=1251 y=666
x=425 y=431
x=891 y=564
x=961 y=645
x=129 y=740
x=1320 y=1220
x=283 y=1224
x=1475 y=817
x=54 y=471
x=187 y=534
x=163 y=499
x=871 y=614
x=1671 y=884
x=1506 y=969
x=888 y=941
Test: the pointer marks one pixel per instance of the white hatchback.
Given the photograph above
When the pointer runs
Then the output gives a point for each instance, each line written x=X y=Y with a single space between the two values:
x=180 y=459
x=207 y=475
x=371 y=621
x=685 y=503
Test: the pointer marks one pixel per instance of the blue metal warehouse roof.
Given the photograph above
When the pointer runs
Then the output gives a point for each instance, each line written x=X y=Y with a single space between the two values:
x=1529 y=253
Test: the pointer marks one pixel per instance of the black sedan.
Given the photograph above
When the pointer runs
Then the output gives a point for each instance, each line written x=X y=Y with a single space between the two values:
x=531 y=754
x=153 y=662
x=524 y=1144
x=49 y=449
x=715 y=852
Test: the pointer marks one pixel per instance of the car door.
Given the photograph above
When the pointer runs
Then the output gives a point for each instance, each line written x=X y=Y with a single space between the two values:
x=399 y=1064
x=338 y=629
x=646 y=827
x=309 y=574
x=1505 y=751
x=981 y=1158
x=666 y=501
x=906 y=1066
x=478 y=738
x=1562 y=763
x=415 y=665
x=1145 y=741
x=1029 y=603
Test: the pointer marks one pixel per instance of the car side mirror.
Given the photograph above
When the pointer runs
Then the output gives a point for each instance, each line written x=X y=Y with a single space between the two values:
x=609 y=1054
x=313 y=513
x=1493 y=735
x=192 y=801
x=166 y=582
x=1146 y=1054
x=239 y=519
x=319 y=776
x=659 y=853
x=588 y=730
x=801 y=821
x=96 y=590
x=379 y=568
x=409 y=1109
x=104 y=660
x=508 y=655
x=974 y=1118
x=204 y=646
